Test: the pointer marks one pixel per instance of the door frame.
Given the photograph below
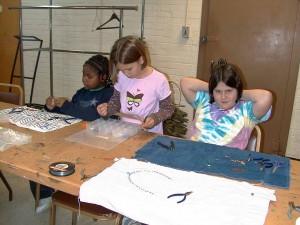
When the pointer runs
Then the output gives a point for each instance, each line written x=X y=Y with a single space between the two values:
x=292 y=77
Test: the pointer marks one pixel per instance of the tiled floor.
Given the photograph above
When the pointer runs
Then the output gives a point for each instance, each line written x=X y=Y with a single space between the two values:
x=21 y=211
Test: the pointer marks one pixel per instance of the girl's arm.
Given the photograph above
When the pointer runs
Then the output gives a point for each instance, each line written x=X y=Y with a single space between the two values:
x=190 y=86
x=166 y=110
x=114 y=104
x=262 y=100
x=106 y=110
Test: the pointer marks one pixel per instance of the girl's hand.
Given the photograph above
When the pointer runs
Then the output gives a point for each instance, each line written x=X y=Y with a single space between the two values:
x=148 y=123
x=102 y=109
x=60 y=101
x=50 y=102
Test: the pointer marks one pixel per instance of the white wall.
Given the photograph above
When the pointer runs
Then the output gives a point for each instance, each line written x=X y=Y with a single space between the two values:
x=170 y=53
x=293 y=147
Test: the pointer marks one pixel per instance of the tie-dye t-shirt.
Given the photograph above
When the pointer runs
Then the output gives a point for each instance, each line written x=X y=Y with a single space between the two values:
x=230 y=128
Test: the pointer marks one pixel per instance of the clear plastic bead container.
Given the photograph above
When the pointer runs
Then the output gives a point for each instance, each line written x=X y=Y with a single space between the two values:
x=105 y=134
x=112 y=128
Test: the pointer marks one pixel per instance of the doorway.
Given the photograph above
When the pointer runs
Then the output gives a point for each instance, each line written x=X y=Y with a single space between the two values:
x=262 y=38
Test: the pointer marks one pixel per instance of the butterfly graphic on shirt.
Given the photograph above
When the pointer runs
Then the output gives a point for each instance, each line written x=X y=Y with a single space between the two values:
x=133 y=100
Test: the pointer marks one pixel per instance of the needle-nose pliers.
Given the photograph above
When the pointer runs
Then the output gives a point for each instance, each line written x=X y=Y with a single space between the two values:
x=181 y=194
x=170 y=147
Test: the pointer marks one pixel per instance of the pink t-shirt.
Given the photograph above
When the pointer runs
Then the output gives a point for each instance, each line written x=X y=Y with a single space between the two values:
x=140 y=97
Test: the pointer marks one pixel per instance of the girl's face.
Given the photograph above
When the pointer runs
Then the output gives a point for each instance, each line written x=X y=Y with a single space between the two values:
x=90 y=79
x=132 y=70
x=225 y=96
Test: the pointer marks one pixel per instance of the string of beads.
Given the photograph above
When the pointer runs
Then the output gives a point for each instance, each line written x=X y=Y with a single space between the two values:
x=147 y=171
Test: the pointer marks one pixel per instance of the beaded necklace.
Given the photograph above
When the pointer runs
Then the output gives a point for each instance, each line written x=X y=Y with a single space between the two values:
x=147 y=171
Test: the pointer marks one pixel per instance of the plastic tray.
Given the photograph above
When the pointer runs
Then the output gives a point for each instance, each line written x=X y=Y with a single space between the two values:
x=105 y=134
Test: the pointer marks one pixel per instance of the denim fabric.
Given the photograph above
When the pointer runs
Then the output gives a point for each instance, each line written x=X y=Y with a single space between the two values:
x=217 y=160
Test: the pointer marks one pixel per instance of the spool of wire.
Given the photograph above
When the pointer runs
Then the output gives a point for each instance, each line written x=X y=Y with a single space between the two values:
x=61 y=169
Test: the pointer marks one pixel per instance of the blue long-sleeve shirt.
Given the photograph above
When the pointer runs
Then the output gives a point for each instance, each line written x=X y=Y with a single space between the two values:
x=84 y=103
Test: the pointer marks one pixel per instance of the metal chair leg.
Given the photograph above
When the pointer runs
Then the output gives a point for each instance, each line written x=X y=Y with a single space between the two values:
x=74 y=218
x=7 y=186
x=37 y=195
x=52 y=214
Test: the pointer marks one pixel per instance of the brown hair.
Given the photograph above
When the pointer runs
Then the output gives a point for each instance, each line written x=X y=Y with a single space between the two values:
x=126 y=50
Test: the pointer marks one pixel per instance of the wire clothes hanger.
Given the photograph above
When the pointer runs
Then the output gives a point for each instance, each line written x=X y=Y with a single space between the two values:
x=114 y=16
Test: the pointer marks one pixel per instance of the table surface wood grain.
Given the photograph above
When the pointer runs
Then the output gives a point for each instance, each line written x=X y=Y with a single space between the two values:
x=31 y=161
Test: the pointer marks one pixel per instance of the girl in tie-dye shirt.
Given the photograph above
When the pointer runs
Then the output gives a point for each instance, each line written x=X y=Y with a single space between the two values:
x=225 y=113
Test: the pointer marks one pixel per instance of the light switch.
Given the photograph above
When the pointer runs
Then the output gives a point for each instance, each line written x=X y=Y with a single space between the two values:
x=0 y=8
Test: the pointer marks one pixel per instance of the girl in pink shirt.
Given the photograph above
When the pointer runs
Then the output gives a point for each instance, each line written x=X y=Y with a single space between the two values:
x=139 y=90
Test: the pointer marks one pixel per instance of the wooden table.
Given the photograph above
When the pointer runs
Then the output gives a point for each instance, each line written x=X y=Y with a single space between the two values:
x=32 y=161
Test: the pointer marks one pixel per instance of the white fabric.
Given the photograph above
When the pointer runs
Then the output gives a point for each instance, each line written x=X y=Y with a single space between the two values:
x=214 y=200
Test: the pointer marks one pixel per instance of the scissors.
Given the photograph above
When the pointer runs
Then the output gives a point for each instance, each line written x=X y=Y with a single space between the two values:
x=170 y=147
x=277 y=164
x=85 y=176
x=181 y=194
x=291 y=208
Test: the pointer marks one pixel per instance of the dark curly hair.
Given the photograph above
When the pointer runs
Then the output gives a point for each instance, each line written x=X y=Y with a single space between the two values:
x=101 y=66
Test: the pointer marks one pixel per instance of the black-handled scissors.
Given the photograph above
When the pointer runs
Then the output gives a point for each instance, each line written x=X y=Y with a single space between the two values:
x=84 y=176
x=181 y=194
x=170 y=147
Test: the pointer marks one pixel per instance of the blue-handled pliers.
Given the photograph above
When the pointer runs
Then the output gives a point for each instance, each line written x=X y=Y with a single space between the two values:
x=65 y=119
x=181 y=194
x=265 y=163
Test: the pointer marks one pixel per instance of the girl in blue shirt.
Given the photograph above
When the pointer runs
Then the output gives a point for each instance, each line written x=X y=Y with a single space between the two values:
x=97 y=89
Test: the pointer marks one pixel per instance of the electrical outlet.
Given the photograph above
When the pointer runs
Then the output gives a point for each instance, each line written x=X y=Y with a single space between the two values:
x=185 y=31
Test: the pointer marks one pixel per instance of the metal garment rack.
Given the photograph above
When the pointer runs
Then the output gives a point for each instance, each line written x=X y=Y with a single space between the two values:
x=50 y=49
x=13 y=75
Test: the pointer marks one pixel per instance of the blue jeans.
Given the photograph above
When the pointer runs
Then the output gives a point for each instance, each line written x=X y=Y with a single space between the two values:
x=45 y=191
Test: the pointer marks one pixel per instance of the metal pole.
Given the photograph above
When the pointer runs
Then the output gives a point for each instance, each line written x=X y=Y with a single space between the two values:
x=142 y=21
x=51 y=52
x=121 y=24
x=21 y=50
x=76 y=7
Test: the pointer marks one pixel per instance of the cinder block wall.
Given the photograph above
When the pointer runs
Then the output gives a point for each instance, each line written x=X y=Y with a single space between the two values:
x=75 y=30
